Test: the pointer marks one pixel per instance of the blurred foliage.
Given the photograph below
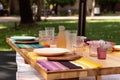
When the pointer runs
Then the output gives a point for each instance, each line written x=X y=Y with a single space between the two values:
x=107 y=1
x=4 y=2
x=107 y=5
x=62 y=3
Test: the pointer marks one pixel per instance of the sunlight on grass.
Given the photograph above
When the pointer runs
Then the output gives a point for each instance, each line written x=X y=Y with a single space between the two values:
x=51 y=22
x=2 y=27
x=103 y=21
x=3 y=49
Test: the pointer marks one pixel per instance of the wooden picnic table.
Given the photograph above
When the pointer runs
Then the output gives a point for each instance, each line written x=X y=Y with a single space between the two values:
x=110 y=65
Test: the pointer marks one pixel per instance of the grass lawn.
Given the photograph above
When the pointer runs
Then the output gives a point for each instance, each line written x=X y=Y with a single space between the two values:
x=108 y=30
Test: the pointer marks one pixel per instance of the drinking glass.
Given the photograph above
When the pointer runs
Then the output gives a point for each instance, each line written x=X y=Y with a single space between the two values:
x=78 y=48
x=93 y=50
x=42 y=38
x=93 y=45
x=53 y=43
x=49 y=32
x=42 y=34
x=71 y=39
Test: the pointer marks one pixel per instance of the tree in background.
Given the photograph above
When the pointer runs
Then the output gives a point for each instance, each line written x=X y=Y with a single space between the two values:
x=39 y=4
x=5 y=3
x=25 y=13
x=105 y=3
x=61 y=3
x=38 y=17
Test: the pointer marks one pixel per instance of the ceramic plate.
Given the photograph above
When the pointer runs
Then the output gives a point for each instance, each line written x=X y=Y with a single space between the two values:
x=23 y=38
x=51 y=51
x=117 y=47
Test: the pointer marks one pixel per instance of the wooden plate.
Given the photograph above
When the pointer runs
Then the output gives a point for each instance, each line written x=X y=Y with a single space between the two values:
x=26 y=42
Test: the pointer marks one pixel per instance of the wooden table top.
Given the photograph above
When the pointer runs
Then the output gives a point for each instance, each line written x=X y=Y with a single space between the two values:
x=111 y=65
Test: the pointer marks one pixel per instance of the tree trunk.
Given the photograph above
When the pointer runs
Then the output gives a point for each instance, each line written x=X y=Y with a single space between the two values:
x=113 y=6
x=93 y=6
x=39 y=3
x=56 y=9
x=12 y=6
x=9 y=7
x=25 y=13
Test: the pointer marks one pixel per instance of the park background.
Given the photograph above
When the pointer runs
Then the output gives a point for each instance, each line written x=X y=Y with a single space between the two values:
x=102 y=18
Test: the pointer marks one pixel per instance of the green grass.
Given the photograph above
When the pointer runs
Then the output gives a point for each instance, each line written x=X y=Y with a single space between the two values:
x=110 y=14
x=108 y=30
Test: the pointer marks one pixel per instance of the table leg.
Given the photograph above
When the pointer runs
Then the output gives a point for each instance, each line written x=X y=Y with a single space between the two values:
x=17 y=54
x=98 y=77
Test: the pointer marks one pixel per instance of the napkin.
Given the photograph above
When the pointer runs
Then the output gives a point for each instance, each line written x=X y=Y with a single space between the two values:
x=86 y=63
x=29 y=76
x=57 y=65
x=81 y=63
x=62 y=64
x=33 y=56
x=29 y=45
x=51 y=65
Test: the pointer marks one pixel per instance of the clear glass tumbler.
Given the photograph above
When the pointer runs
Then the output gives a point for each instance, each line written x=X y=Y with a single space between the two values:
x=42 y=38
x=79 y=45
x=49 y=32
x=93 y=50
x=71 y=39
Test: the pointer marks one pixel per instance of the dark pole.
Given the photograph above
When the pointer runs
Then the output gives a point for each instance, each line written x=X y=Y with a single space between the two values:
x=82 y=17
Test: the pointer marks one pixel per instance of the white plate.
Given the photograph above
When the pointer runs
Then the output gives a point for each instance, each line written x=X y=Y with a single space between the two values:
x=117 y=47
x=23 y=38
x=51 y=51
